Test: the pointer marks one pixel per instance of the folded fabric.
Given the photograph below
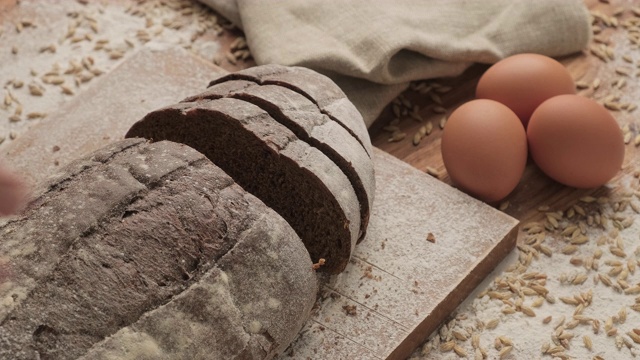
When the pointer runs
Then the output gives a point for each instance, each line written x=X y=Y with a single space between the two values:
x=374 y=48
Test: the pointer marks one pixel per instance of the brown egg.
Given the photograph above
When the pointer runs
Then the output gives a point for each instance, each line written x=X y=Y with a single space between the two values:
x=484 y=148
x=524 y=81
x=575 y=141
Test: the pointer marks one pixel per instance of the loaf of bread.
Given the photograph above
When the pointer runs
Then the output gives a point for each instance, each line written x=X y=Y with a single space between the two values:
x=200 y=247
x=289 y=136
x=150 y=251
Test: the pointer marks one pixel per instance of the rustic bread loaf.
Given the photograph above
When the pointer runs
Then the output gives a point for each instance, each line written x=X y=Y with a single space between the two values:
x=149 y=251
x=304 y=119
x=295 y=179
x=318 y=88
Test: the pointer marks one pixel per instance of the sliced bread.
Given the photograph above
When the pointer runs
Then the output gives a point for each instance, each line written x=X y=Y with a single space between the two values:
x=303 y=118
x=295 y=179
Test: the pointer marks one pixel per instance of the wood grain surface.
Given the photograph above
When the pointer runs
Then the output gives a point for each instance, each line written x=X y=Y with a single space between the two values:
x=535 y=189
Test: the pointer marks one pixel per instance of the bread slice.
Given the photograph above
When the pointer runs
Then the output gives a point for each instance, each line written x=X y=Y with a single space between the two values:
x=318 y=88
x=136 y=236
x=304 y=119
x=265 y=158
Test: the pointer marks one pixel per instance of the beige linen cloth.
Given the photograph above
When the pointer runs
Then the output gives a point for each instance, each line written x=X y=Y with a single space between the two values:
x=374 y=48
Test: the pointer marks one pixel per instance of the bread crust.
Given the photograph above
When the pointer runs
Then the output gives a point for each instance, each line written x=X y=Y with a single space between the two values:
x=139 y=229
x=319 y=89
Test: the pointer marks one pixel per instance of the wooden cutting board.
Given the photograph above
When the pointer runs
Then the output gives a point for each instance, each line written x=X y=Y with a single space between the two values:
x=398 y=287
x=152 y=78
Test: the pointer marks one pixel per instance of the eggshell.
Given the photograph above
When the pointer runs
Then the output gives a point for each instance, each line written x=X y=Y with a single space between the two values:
x=484 y=148
x=576 y=141
x=524 y=81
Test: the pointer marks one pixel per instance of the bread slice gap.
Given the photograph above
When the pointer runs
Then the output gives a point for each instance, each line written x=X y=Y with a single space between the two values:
x=316 y=87
x=269 y=161
x=302 y=117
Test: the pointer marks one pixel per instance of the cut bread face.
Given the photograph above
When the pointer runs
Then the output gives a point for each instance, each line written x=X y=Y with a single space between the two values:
x=302 y=117
x=264 y=157
x=316 y=87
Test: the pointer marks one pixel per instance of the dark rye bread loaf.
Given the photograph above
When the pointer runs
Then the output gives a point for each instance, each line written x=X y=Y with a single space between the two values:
x=318 y=88
x=268 y=160
x=304 y=119
x=149 y=251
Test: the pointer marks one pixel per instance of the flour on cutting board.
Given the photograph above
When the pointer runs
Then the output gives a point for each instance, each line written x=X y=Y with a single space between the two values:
x=588 y=308
x=397 y=287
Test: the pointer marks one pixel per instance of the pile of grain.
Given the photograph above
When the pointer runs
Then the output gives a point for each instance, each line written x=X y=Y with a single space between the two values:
x=49 y=54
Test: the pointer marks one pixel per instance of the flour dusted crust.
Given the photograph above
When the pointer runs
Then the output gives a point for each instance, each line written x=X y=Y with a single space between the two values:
x=295 y=179
x=137 y=230
x=316 y=87
x=304 y=119
x=246 y=295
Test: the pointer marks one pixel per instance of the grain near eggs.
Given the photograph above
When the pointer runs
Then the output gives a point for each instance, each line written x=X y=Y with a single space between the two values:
x=563 y=333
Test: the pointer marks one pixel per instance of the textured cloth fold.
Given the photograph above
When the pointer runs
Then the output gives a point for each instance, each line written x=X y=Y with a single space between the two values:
x=374 y=48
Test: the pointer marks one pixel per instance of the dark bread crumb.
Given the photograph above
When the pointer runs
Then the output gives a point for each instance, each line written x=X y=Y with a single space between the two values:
x=266 y=159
